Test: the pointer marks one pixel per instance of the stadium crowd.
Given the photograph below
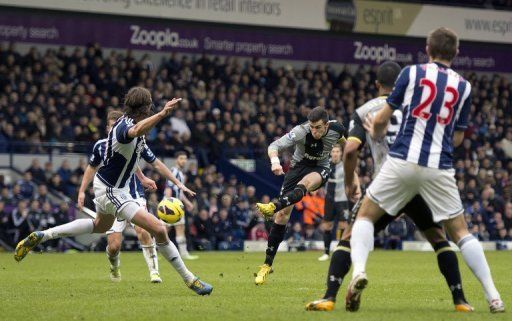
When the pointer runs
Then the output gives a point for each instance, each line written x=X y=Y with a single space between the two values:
x=231 y=109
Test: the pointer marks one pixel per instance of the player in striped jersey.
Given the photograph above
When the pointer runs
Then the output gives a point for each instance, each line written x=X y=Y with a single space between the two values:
x=416 y=209
x=436 y=102
x=172 y=190
x=125 y=144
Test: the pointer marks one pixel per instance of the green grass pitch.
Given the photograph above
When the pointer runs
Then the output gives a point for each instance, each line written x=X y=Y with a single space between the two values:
x=403 y=286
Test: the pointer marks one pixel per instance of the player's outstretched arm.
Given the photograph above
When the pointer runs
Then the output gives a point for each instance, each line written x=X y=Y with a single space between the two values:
x=144 y=180
x=89 y=173
x=145 y=125
x=161 y=168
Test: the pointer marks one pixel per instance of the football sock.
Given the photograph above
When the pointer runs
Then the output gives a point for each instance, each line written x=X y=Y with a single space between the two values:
x=449 y=267
x=361 y=243
x=338 y=268
x=274 y=239
x=327 y=241
x=473 y=254
x=113 y=259
x=151 y=257
x=171 y=254
x=182 y=245
x=77 y=227
x=291 y=197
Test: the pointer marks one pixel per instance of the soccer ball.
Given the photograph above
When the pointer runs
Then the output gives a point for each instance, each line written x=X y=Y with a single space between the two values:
x=170 y=210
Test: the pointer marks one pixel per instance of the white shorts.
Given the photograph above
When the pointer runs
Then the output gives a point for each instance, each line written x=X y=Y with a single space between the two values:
x=114 y=201
x=121 y=224
x=399 y=181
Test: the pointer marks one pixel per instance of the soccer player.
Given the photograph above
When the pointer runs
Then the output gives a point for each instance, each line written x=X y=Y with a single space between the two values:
x=416 y=209
x=336 y=203
x=125 y=144
x=436 y=102
x=313 y=142
x=173 y=190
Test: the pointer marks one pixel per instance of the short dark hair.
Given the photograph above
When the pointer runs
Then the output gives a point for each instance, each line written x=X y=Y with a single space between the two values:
x=180 y=153
x=318 y=113
x=388 y=73
x=114 y=115
x=137 y=102
x=442 y=43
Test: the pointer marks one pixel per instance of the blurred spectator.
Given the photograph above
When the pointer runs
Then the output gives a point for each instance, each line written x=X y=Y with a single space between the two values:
x=204 y=238
x=296 y=240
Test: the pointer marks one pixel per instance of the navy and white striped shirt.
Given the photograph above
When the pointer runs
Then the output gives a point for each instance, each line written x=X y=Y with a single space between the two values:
x=98 y=154
x=176 y=192
x=436 y=101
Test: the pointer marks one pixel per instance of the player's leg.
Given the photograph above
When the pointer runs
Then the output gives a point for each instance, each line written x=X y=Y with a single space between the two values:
x=439 y=190
x=297 y=182
x=182 y=240
x=447 y=261
x=168 y=250
x=113 y=250
x=474 y=256
x=275 y=238
x=327 y=226
x=394 y=186
x=100 y=224
x=149 y=252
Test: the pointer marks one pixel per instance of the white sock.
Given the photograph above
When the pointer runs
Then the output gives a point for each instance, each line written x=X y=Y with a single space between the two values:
x=171 y=254
x=473 y=254
x=114 y=259
x=77 y=227
x=182 y=245
x=149 y=252
x=361 y=243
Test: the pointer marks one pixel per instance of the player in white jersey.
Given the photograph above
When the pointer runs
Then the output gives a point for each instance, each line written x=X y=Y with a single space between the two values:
x=125 y=145
x=436 y=102
x=416 y=209
x=336 y=202
x=172 y=190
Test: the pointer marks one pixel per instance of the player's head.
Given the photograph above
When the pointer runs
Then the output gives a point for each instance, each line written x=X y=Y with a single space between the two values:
x=112 y=117
x=318 y=122
x=181 y=159
x=336 y=154
x=138 y=104
x=442 y=44
x=387 y=74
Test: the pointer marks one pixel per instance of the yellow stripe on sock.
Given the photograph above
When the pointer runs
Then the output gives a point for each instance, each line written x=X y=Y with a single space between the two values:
x=443 y=249
x=342 y=248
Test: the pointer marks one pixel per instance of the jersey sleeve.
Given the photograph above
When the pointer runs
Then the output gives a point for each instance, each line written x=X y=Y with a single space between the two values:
x=462 y=120
x=356 y=130
x=121 y=131
x=396 y=97
x=339 y=128
x=148 y=155
x=95 y=158
x=288 y=140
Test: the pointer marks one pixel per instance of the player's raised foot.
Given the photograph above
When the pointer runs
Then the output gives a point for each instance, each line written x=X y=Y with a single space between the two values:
x=266 y=209
x=115 y=274
x=496 y=306
x=324 y=257
x=262 y=274
x=190 y=257
x=155 y=277
x=200 y=287
x=27 y=244
x=320 y=305
x=463 y=306
x=355 y=289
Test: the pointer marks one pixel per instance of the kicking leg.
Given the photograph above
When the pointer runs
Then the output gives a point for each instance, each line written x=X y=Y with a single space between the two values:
x=168 y=250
